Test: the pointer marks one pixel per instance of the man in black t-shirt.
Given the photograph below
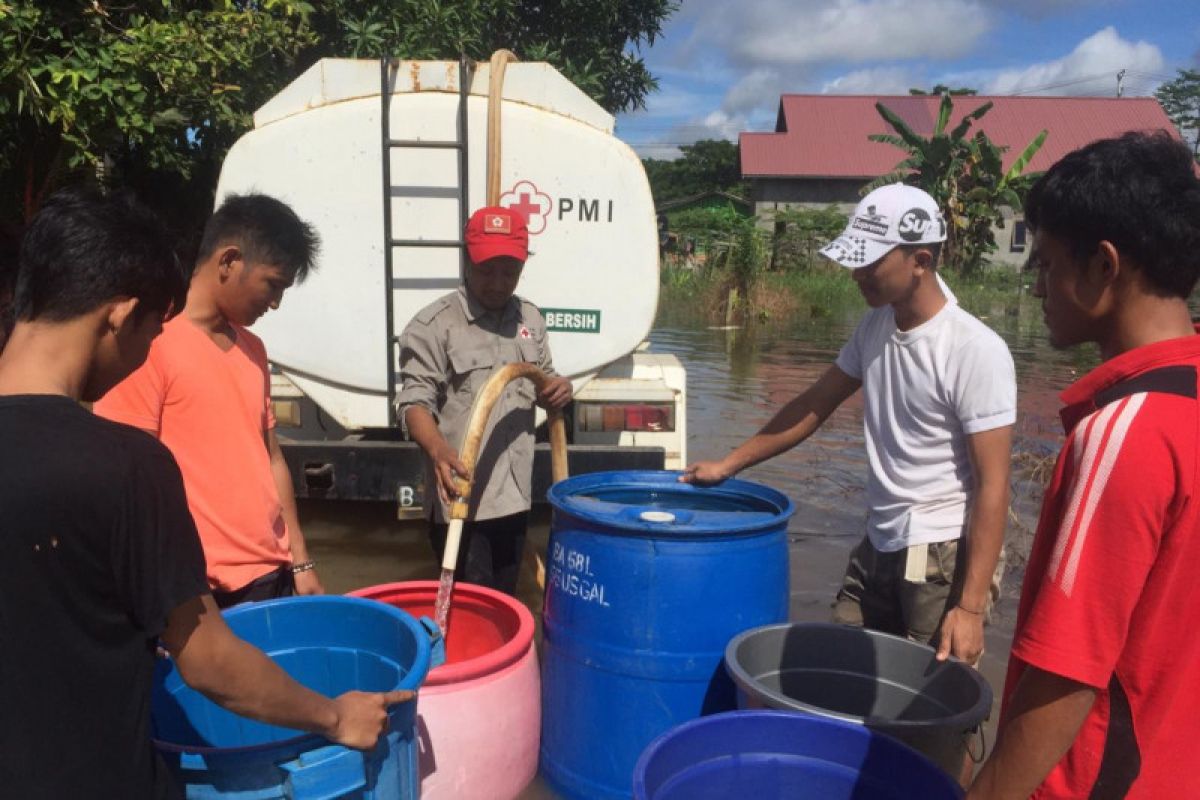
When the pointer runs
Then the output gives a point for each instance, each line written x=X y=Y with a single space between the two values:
x=99 y=558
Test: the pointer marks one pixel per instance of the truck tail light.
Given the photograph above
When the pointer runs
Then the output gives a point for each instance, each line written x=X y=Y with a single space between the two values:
x=650 y=417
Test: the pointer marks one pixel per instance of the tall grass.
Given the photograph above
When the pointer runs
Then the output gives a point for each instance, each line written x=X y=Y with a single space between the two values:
x=697 y=294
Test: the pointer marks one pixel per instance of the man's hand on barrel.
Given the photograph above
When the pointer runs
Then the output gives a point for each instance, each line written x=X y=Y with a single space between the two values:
x=362 y=716
x=448 y=467
x=555 y=394
x=706 y=473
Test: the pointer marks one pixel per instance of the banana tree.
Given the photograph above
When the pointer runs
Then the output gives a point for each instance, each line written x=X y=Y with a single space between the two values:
x=964 y=173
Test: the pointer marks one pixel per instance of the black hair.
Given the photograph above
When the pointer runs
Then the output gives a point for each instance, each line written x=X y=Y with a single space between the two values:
x=1138 y=191
x=8 y=278
x=84 y=248
x=267 y=231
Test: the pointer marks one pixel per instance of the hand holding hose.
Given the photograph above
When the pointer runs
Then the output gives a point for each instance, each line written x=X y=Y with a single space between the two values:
x=449 y=469
x=555 y=394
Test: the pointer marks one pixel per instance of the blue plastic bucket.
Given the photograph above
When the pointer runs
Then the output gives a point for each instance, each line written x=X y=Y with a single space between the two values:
x=768 y=754
x=331 y=645
x=647 y=580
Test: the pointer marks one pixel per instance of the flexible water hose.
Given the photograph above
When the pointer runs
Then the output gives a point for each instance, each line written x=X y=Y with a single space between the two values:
x=481 y=410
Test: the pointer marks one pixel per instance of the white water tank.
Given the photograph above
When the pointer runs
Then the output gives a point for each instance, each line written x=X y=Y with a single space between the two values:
x=316 y=145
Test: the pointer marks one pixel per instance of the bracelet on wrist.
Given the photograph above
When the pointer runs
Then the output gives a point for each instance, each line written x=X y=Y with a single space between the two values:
x=968 y=610
x=304 y=566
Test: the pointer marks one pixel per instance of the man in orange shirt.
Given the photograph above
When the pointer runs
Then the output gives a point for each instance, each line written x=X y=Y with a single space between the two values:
x=204 y=391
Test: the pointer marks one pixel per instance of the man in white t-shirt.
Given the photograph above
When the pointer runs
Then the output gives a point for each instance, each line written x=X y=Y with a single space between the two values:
x=939 y=395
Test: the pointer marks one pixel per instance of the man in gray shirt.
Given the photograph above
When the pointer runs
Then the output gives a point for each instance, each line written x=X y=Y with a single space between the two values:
x=447 y=353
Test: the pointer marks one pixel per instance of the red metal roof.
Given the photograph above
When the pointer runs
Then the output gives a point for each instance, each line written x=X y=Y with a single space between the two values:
x=825 y=136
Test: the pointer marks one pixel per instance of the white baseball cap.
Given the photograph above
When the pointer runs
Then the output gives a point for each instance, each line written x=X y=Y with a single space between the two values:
x=890 y=216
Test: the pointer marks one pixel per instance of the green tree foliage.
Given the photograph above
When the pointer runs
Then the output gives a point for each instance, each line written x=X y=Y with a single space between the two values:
x=801 y=232
x=941 y=89
x=705 y=166
x=152 y=93
x=1180 y=98
x=711 y=228
x=593 y=43
x=965 y=174
x=160 y=85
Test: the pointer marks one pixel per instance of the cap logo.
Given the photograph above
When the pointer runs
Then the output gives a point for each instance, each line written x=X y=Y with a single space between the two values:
x=497 y=223
x=874 y=224
x=913 y=225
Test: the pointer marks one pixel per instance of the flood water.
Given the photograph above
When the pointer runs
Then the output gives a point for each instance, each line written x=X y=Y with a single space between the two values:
x=737 y=379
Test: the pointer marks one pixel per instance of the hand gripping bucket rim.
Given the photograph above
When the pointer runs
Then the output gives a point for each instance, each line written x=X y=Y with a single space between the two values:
x=967 y=719
x=425 y=659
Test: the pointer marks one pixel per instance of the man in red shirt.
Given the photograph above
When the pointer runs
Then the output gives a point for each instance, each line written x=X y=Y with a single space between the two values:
x=1101 y=700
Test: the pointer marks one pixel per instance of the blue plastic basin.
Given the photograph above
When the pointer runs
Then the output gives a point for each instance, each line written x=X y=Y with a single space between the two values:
x=331 y=645
x=761 y=755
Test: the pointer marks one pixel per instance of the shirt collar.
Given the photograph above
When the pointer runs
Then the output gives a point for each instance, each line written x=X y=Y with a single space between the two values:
x=1079 y=398
x=474 y=309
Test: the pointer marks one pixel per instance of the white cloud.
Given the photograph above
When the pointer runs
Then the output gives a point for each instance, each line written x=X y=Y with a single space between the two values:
x=814 y=32
x=749 y=92
x=723 y=125
x=1089 y=69
x=877 y=80
x=777 y=46
x=676 y=103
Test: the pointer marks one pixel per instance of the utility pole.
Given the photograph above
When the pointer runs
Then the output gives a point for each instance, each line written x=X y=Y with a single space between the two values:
x=1120 y=83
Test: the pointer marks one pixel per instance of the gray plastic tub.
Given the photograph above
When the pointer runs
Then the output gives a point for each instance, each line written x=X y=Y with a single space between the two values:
x=888 y=683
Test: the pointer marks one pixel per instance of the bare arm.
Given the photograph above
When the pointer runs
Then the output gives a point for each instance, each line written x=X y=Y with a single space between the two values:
x=794 y=423
x=1047 y=711
x=962 y=628
x=239 y=677
x=306 y=582
x=422 y=427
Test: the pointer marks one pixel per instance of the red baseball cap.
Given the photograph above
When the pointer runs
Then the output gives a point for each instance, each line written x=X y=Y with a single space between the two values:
x=496 y=231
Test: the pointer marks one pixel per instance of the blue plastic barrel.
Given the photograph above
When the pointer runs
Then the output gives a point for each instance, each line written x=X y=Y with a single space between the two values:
x=647 y=580
x=768 y=754
x=331 y=645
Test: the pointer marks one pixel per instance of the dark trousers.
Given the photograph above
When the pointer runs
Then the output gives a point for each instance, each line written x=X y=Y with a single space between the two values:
x=276 y=583
x=490 y=551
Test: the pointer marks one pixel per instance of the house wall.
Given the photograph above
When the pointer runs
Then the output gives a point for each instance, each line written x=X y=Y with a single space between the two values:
x=772 y=194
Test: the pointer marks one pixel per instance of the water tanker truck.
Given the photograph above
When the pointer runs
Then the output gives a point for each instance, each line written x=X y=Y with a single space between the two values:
x=387 y=160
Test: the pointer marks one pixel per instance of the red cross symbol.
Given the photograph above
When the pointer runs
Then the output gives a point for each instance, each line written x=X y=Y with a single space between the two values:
x=525 y=199
x=526 y=208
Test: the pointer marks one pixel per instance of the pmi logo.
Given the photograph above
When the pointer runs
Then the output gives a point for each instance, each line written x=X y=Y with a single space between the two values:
x=539 y=208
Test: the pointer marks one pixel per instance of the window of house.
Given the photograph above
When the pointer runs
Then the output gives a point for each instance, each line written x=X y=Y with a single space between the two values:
x=1018 y=236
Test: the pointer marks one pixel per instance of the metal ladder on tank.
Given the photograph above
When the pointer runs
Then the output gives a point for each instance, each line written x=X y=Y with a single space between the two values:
x=387 y=72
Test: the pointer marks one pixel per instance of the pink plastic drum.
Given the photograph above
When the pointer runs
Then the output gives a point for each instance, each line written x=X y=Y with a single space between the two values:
x=479 y=715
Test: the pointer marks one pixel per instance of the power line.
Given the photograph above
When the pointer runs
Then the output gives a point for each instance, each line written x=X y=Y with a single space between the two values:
x=1060 y=84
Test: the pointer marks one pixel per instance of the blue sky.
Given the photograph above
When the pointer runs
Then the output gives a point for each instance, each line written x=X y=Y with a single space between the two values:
x=722 y=64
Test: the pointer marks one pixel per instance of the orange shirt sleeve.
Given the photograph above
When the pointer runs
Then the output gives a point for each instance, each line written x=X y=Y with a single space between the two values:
x=137 y=400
